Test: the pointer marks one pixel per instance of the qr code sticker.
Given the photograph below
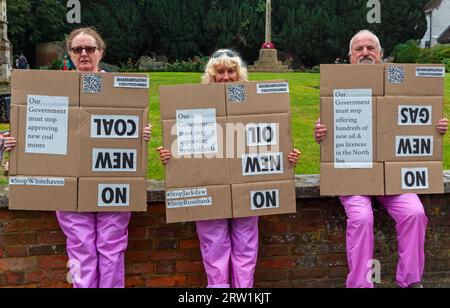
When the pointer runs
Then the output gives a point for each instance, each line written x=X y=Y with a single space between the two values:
x=396 y=74
x=92 y=84
x=236 y=93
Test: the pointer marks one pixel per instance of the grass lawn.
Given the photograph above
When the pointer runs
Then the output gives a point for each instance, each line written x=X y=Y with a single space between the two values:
x=305 y=112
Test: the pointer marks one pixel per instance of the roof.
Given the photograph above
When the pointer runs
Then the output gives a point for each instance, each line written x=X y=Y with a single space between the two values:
x=432 y=5
x=444 y=38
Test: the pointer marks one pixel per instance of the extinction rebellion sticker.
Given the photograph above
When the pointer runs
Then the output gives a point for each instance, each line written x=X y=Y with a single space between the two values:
x=131 y=82
x=430 y=72
x=272 y=88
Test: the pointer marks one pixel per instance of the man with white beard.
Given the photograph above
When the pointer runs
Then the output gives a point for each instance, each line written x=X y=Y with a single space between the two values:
x=407 y=210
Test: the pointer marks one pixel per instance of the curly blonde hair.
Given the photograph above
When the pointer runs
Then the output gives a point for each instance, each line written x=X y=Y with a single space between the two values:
x=224 y=60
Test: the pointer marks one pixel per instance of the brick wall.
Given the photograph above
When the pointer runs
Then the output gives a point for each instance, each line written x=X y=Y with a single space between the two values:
x=302 y=250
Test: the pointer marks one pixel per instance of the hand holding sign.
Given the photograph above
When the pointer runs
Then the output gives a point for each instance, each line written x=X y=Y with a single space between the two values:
x=10 y=142
x=442 y=126
x=147 y=133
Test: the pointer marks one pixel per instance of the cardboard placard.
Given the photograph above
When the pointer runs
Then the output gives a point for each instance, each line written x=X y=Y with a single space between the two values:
x=261 y=145
x=112 y=195
x=369 y=138
x=407 y=129
x=263 y=199
x=258 y=97
x=42 y=164
x=28 y=193
x=414 y=79
x=58 y=142
x=349 y=182
x=102 y=90
x=348 y=76
x=44 y=83
x=198 y=203
x=414 y=177
x=224 y=134
x=355 y=145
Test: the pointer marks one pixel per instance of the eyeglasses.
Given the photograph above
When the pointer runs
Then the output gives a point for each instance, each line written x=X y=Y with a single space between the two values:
x=229 y=53
x=79 y=50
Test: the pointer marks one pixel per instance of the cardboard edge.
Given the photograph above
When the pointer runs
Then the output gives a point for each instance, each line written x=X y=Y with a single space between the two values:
x=14 y=129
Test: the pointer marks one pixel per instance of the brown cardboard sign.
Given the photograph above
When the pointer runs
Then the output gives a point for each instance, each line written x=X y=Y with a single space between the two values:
x=262 y=199
x=260 y=97
x=348 y=76
x=112 y=195
x=44 y=83
x=57 y=141
x=207 y=164
x=114 y=90
x=191 y=97
x=112 y=142
x=348 y=182
x=43 y=194
x=197 y=204
x=407 y=129
x=414 y=177
x=261 y=146
x=414 y=79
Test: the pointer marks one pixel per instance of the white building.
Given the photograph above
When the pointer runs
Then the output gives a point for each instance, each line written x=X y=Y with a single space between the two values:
x=438 y=20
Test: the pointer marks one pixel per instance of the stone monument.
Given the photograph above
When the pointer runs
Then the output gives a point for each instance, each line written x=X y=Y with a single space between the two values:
x=5 y=48
x=268 y=57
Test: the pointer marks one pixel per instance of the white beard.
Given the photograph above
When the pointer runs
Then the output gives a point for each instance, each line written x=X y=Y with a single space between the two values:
x=366 y=61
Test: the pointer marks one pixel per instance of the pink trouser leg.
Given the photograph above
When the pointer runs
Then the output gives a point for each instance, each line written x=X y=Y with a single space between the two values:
x=228 y=241
x=244 y=251
x=215 y=245
x=360 y=239
x=112 y=242
x=80 y=230
x=411 y=224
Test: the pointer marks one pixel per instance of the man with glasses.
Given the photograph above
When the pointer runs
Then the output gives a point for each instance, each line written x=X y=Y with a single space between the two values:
x=407 y=210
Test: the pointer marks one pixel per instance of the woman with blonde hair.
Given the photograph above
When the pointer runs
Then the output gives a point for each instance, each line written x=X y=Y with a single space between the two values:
x=228 y=245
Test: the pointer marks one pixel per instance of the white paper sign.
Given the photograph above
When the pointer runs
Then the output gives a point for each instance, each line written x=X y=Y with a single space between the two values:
x=265 y=200
x=272 y=88
x=47 y=125
x=415 y=115
x=199 y=202
x=187 y=193
x=114 y=127
x=261 y=164
x=114 y=160
x=414 y=146
x=430 y=72
x=262 y=134
x=131 y=82
x=113 y=195
x=197 y=132
x=353 y=128
x=32 y=181
x=415 y=178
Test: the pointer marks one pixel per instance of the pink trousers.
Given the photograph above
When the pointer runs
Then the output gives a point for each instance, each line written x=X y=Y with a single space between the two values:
x=96 y=244
x=411 y=223
x=229 y=246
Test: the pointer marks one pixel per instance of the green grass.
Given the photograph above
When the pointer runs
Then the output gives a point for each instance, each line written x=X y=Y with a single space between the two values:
x=305 y=112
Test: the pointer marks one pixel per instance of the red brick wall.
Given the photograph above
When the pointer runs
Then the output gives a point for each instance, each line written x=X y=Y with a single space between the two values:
x=302 y=250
